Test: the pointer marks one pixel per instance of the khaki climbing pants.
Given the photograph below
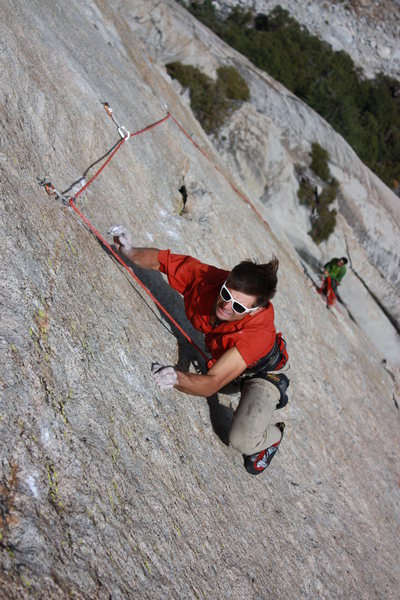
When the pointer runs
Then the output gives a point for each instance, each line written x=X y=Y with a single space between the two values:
x=252 y=429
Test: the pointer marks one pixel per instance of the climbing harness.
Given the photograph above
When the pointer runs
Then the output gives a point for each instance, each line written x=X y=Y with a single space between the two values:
x=279 y=380
x=71 y=201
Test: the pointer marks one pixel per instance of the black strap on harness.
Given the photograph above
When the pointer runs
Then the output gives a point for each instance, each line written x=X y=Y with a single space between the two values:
x=279 y=380
x=269 y=362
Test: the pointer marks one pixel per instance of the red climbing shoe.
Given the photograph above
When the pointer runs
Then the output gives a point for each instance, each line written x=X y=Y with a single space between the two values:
x=258 y=462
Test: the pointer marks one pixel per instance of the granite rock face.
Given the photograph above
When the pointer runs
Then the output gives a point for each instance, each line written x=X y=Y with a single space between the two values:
x=110 y=488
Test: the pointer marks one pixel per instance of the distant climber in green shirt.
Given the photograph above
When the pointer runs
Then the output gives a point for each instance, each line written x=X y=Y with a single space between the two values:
x=334 y=271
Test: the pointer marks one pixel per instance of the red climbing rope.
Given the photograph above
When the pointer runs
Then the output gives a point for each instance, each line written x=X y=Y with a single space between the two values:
x=126 y=135
x=132 y=274
x=101 y=168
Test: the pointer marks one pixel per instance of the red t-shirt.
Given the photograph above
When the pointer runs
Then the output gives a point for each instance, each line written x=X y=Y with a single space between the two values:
x=253 y=336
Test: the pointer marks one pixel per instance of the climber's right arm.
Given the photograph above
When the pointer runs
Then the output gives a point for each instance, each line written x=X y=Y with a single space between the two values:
x=147 y=258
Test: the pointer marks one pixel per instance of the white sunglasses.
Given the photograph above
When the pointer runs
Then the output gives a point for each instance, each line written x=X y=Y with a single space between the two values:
x=236 y=306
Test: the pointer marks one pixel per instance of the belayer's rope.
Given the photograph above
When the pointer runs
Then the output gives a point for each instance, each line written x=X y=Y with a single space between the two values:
x=126 y=135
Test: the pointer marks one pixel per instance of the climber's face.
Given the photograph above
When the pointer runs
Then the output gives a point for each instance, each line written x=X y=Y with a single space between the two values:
x=233 y=305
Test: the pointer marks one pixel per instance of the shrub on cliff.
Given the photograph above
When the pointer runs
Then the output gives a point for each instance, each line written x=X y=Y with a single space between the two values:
x=319 y=161
x=323 y=219
x=211 y=101
x=232 y=84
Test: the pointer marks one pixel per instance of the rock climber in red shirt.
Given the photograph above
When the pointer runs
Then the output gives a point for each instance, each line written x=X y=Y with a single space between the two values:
x=233 y=310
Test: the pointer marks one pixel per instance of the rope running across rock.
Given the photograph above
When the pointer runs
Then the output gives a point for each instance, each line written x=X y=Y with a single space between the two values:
x=126 y=135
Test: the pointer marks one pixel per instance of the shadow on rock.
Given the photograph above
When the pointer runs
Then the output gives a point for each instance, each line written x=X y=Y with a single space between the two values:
x=220 y=417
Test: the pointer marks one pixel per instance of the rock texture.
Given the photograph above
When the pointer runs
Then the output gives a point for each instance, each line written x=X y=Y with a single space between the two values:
x=109 y=488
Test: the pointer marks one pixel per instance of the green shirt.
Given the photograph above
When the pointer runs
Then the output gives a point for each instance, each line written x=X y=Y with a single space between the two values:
x=336 y=271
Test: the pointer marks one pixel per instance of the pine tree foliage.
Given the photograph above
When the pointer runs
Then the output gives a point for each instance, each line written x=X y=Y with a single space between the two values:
x=365 y=112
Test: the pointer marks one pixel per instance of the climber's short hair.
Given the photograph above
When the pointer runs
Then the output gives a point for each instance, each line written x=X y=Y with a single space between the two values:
x=344 y=259
x=257 y=280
